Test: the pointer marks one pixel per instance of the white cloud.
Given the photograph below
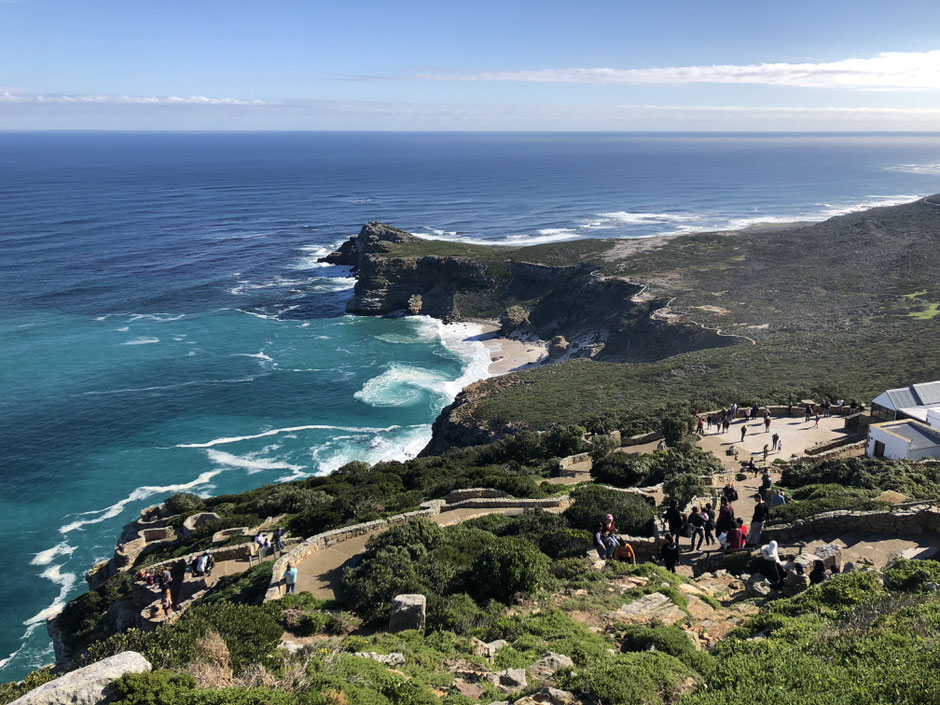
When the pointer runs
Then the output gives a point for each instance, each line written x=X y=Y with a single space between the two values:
x=63 y=99
x=885 y=71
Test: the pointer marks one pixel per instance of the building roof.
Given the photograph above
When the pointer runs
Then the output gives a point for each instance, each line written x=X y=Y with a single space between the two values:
x=919 y=435
x=917 y=395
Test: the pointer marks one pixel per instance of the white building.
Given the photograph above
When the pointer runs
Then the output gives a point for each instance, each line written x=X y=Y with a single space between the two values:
x=906 y=439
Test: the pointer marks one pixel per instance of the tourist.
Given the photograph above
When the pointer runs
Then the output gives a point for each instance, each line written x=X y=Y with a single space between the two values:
x=697 y=524
x=733 y=413
x=779 y=445
x=767 y=423
x=790 y=409
x=747 y=415
x=841 y=403
x=757 y=521
x=819 y=573
x=809 y=412
x=774 y=439
x=743 y=433
x=817 y=420
x=661 y=445
x=725 y=521
x=725 y=425
x=736 y=536
x=201 y=564
x=779 y=499
x=730 y=493
x=709 y=515
x=610 y=535
x=771 y=565
x=599 y=544
x=700 y=426
x=673 y=518
x=669 y=554
x=279 y=539
x=766 y=485
x=796 y=581
x=766 y=451
x=755 y=411
x=625 y=553
x=290 y=579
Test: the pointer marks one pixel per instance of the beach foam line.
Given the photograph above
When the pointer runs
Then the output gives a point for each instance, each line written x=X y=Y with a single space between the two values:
x=521 y=239
x=249 y=462
x=289 y=429
x=100 y=515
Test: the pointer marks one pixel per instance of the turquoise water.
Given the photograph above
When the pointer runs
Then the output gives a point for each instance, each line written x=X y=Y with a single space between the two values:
x=164 y=324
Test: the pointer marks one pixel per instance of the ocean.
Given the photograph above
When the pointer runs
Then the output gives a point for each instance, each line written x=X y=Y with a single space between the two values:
x=165 y=326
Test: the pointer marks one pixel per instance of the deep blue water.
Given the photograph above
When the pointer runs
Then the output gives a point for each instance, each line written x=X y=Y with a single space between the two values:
x=164 y=324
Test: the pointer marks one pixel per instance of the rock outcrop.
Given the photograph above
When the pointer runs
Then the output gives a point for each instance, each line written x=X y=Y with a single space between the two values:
x=86 y=686
x=408 y=612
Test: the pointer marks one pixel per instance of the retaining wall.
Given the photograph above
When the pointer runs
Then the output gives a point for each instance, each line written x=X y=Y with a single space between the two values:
x=908 y=522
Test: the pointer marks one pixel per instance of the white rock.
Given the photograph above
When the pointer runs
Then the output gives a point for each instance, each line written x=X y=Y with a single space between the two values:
x=88 y=685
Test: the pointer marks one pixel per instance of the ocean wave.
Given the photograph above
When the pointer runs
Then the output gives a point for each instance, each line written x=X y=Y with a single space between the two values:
x=929 y=169
x=521 y=239
x=250 y=462
x=335 y=284
x=311 y=253
x=290 y=429
x=401 y=385
x=190 y=383
x=158 y=317
x=143 y=340
x=99 y=515
x=50 y=554
x=65 y=581
x=635 y=218
x=401 y=446
x=256 y=356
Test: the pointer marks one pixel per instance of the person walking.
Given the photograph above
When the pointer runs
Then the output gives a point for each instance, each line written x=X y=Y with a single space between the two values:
x=743 y=433
x=709 y=515
x=747 y=415
x=290 y=579
x=669 y=553
x=775 y=439
x=767 y=423
x=673 y=518
x=279 y=539
x=817 y=420
x=757 y=521
x=697 y=524
x=766 y=451
x=725 y=521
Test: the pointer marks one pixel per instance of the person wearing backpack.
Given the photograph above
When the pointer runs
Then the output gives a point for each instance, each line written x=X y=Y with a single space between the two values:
x=709 y=514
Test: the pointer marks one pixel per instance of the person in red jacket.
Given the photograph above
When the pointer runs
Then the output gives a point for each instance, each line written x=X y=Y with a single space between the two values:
x=737 y=536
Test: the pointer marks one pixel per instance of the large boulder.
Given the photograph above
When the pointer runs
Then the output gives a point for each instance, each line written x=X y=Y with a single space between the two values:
x=512 y=680
x=549 y=696
x=90 y=685
x=557 y=347
x=408 y=612
x=549 y=664
x=655 y=607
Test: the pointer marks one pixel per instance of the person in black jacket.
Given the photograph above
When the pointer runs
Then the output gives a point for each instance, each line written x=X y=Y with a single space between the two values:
x=761 y=513
x=669 y=554
x=697 y=522
x=673 y=518
x=730 y=493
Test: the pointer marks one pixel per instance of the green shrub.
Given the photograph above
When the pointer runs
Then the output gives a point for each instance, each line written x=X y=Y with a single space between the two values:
x=632 y=513
x=166 y=688
x=508 y=567
x=669 y=640
x=649 y=678
x=246 y=588
x=11 y=691
x=569 y=568
x=912 y=576
x=912 y=479
x=683 y=487
x=183 y=503
x=85 y=618
x=562 y=441
x=813 y=499
x=676 y=426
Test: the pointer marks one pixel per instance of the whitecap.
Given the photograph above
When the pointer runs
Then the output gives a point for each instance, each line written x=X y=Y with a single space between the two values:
x=100 y=515
x=192 y=382
x=311 y=253
x=256 y=356
x=158 y=317
x=517 y=240
x=335 y=284
x=141 y=341
x=46 y=557
x=401 y=385
x=65 y=581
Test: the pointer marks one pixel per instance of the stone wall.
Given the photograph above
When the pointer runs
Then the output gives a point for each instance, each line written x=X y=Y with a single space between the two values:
x=906 y=522
x=578 y=462
x=194 y=520
x=473 y=493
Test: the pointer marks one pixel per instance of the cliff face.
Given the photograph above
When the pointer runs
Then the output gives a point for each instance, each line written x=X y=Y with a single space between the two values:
x=420 y=285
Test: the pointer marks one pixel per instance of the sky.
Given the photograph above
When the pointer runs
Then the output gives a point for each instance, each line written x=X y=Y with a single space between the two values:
x=631 y=65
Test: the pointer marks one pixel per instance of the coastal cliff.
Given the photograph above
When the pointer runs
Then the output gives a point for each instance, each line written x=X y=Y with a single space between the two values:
x=604 y=317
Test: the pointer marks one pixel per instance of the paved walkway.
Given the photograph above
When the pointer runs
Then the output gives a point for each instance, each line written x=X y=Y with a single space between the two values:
x=322 y=573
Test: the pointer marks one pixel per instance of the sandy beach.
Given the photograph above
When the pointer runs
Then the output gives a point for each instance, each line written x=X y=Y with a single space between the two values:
x=508 y=354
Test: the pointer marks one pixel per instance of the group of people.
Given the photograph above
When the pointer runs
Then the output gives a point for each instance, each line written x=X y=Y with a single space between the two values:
x=790 y=578
x=162 y=580
x=267 y=544
x=609 y=545
x=201 y=566
x=723 y=419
